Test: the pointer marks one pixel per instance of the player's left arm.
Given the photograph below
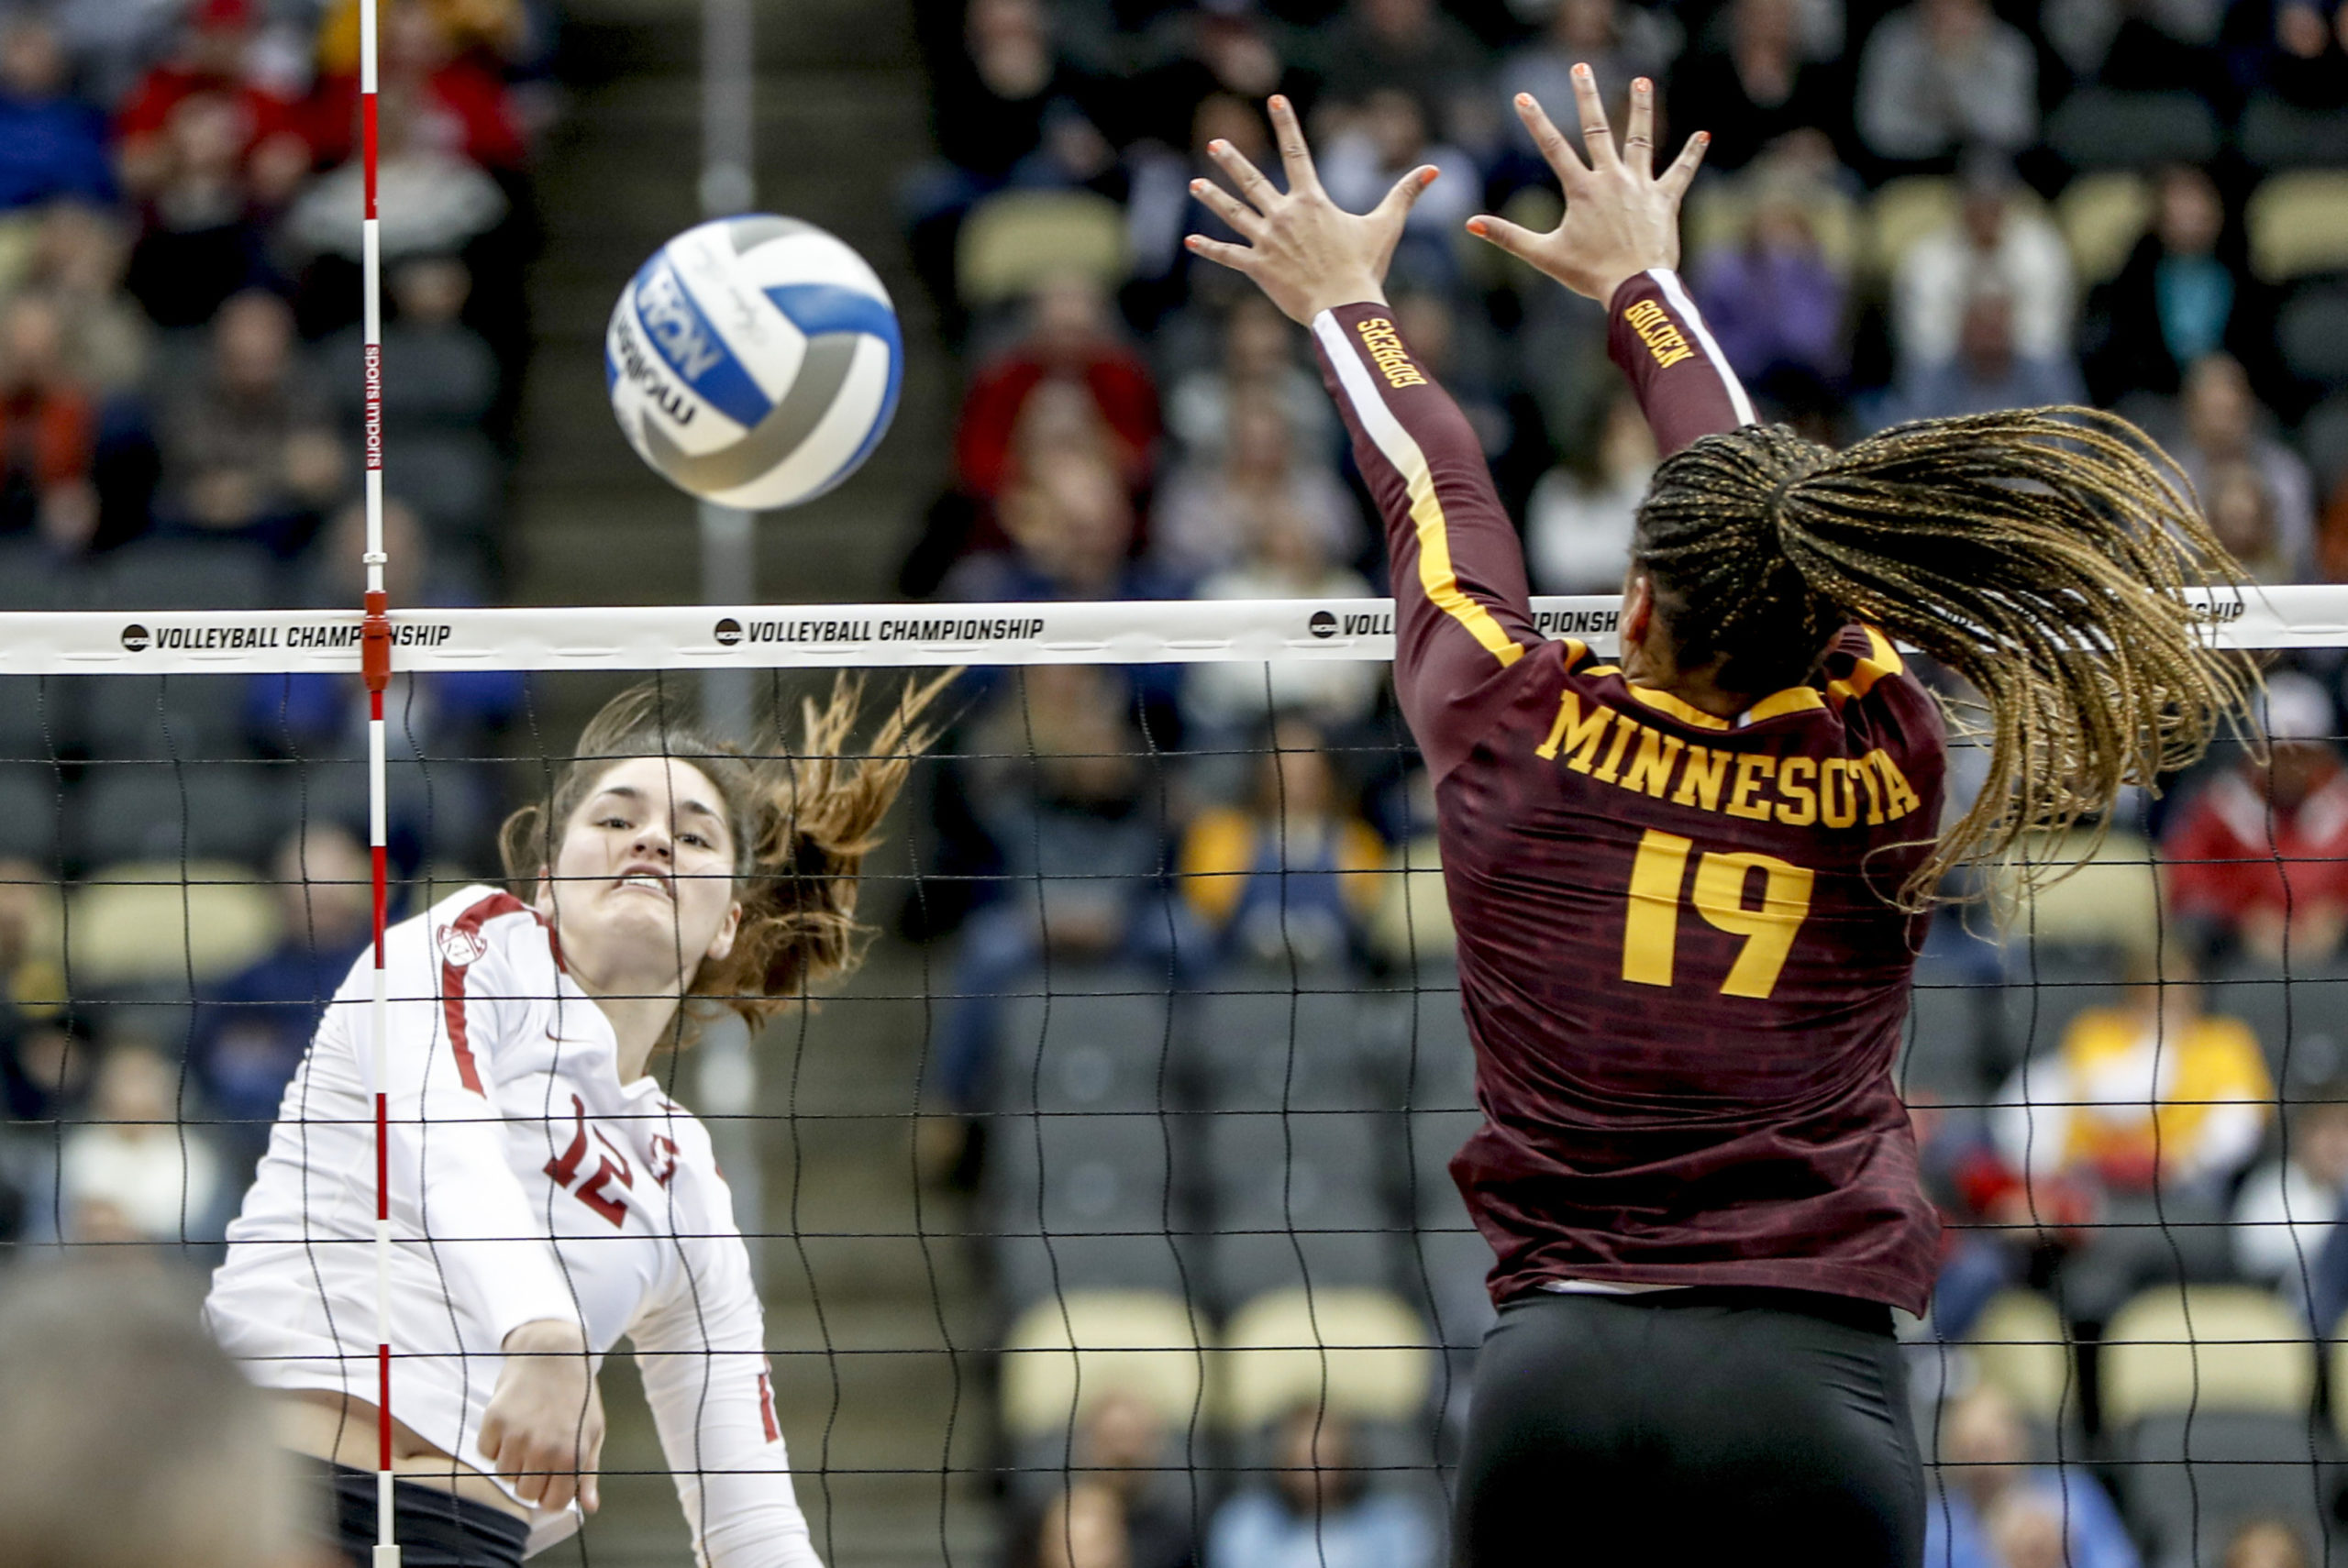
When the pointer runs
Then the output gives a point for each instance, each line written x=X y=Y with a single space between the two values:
x=702 y=1355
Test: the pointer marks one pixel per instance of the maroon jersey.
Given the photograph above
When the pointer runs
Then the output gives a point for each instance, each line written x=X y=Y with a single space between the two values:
x=1681 y=971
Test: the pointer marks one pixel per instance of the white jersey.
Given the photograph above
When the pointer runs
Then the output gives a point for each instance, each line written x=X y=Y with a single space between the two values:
x=525 y=1182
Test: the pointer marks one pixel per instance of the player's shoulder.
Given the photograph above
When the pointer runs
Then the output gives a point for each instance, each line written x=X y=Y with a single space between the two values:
x=475 y=923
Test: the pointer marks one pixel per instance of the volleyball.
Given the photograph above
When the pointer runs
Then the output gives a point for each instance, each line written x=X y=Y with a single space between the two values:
x=754 y=361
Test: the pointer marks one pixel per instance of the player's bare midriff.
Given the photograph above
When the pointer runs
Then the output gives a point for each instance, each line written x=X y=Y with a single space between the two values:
x=343 y=1429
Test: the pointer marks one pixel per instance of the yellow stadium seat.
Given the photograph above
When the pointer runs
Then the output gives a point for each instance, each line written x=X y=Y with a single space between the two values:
x=2207 y=1348
x=2298 y=225
x=1063 y=1354
x=2101 y=217
x=1902 y=213
x=2112 y=902
x=1362 y=1350
x=2021 y=1347
x=1011 y=242
x=168 y=922
x=1718 y=212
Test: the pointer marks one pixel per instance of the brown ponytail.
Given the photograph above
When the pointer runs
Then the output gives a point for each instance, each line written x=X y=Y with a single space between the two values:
x=801 y=823
x=2042 y=555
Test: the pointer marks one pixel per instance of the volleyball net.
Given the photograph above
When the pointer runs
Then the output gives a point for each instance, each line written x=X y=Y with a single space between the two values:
x=1126 y=1152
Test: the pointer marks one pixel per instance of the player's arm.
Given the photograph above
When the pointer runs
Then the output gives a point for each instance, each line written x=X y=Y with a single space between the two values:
x=702 y=1354
x=445 y=1145
x=1463 y=610
x=1618 y=244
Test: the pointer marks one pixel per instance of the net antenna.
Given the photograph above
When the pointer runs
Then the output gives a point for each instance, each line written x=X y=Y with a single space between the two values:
x=375 y=666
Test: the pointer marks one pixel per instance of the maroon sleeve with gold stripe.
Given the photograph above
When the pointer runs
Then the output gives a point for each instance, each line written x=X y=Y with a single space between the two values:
x=1463 y=611
x=1656 y=334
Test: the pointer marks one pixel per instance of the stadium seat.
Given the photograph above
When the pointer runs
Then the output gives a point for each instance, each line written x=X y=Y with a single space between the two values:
x=1359 y=1354
x=1261 y=1045
x=1098 y=1041
x=2050 y=987
x=158 y=717
x=1014 y=241
x=2297 y=1016
x=33 y=579
x=159 y=811
x=2204 y=1349
x=1080 y=1201
x=2190 y=1481
x=1420 y=1036
x=2298 y=225
x=2102 y=215
x=452 y=478
x=1060 y=1355
x=1944 y=1055
x=2277 y=134
x=35 y=718
x=1434 y=1136
x=183 y=574
x=2099 y=127
x=2021 y=1347
x=2323 y=442
x=2313 y=333
x=1902 y=213
x=1299 y=1198
x=166 y=924
x=444 y=379
x=30 y=805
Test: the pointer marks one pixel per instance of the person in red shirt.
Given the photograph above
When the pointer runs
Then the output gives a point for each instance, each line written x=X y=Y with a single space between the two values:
x=2257 y=860
x=214 y=58
x=1690 y=885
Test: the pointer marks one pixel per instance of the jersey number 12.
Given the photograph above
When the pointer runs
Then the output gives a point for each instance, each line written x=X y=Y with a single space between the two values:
x=1651 y=927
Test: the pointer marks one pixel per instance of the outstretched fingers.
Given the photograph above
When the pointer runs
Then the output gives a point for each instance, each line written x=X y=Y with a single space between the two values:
x=1555 y=151
x=1244 y=175
x=1296 y=157
x=1396 y=207
x=1675 y=179
x=1499 y=231
x=1238 y=257
x=1597 y=136
x=1638 y=137
x=1242 y=217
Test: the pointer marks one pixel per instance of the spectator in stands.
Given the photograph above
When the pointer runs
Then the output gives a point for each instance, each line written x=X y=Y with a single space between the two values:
x=247 y=446
x=2257 y=861
x=1577 y=527
x=1990 y=1499
x=1450 y=339
x=1774 y=302
x=1058 y=785
x=1940 y=75
x=1320 y=1510
x=1997 y=245
x=1160 y=209
x=76 y=266
x=2224 y=423
x=253 y=1027
x=1212 y=508
x=2242 y=515
x=2185 y=293
x=1386 y=138
x=1009 y=109
x=1120 y=1449
x=44 y=1068
x=1763 y=94
x=1084 y=1526
x=1283 y=554
x=1069 y=337
x=1071 y=524
x=132 y=1161
x=204 y=235
x=1291 y=872
x=2151 y=1095
x=2287 y=1207
x=448 y=58
x=2266 y=1543
x=1256 y=346
x=53 y=145
x=434 y=199
x=1234 y=48
x=1990 y=371
x=1618 y=40
x=1410 y=44
x=49 y=431
x=2296 y=50
x=258 y=118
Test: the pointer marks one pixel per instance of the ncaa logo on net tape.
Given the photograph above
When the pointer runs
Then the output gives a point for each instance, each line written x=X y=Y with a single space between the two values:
x=1324 y=625
x=136 y=638
x=727 y=633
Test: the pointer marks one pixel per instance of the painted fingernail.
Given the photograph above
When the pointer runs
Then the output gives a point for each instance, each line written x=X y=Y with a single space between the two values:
x=1582 y=72
x=1198 y=185
x=1192 y=240
x=1704 y=137
x=1643 y=85
x=1524 y=100
x=1478 y=227
x=1279 y=102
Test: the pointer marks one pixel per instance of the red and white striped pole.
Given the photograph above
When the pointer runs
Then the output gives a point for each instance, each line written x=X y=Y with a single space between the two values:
x=375 y=663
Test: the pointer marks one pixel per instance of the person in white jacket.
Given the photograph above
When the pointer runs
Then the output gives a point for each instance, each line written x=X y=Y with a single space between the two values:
x=546 y=1196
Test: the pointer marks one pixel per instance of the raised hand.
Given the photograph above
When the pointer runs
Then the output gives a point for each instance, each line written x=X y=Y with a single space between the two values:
x=1304 y=251
x=1622 y=218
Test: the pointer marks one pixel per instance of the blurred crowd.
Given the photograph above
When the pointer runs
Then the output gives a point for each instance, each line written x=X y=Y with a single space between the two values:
x=180 y=427
x=1908 y=210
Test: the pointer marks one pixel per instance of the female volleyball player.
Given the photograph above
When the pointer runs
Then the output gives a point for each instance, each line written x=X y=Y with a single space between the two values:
x=1689 y=886
x=547 y=1195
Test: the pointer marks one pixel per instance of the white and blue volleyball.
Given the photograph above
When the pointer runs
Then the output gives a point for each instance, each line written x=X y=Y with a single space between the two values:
x=755 y=361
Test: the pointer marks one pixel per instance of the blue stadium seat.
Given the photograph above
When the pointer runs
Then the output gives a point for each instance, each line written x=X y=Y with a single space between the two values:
x=2323 y=441
x=32 y=579
x=452 y=478
x=2190 y=1481
x=1299 y=1199
x=1264 y=1046
x=2312 y=332
x=162 y=812
x=183 y=574
x=159 y=717
x=36 y=717
x=1084 y=1200
x=2277 y=134
x=1945 y=1054
x=2097 y=127
x=1097 y=1042
x=31 y=804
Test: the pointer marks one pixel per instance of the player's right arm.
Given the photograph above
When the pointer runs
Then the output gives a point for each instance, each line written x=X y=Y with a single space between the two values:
x=445 y=1152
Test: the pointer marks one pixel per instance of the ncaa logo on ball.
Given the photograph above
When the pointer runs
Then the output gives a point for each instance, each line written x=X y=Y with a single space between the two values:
x=754 y=361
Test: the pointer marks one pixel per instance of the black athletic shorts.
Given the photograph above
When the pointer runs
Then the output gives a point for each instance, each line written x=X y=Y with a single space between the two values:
x=1694 y=1427
x=435 y=1528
